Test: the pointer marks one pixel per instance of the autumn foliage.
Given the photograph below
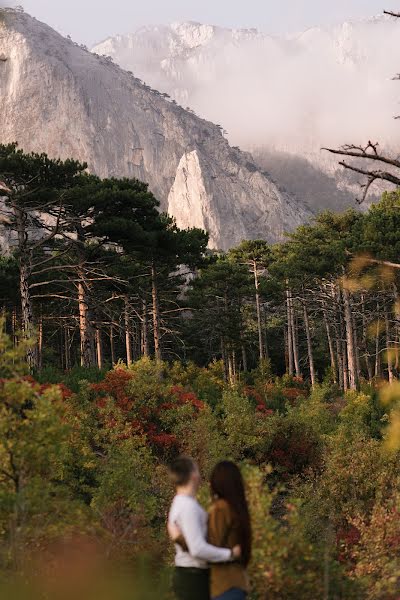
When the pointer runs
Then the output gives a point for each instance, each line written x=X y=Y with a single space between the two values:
x=146 y=419
x=92 y=466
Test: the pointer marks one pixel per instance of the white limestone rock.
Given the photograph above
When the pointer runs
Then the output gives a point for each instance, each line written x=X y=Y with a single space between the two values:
x=57 y=97
x=284 y=97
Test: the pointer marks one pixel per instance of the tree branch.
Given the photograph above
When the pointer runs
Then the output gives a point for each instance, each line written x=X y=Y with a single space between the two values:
x=54 y=296
x=384 y=175
x=54 y=231
x=385 y=263
x=392 y=14
x=369 y=152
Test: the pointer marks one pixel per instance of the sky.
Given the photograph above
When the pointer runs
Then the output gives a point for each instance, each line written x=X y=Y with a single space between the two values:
x=90 y=21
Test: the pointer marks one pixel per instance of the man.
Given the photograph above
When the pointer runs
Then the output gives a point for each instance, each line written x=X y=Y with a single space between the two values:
x=188 y=519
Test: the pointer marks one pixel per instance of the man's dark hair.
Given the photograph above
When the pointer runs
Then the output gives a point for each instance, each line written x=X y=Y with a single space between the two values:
x=181 y=469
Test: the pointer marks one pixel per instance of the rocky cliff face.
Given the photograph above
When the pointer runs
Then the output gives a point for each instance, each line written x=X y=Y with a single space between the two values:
x=59 y=98
x=288 y=97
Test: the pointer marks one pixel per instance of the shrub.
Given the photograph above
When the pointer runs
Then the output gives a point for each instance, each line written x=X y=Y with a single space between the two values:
x=128 y=500
x=285 y=564
x=377 y=552
x=36 y=504
x=239 y=425
x=362 y=413
x=207 y=384
x=147 y=402
x=72 y=379
x=294 y=448
x=355 y=474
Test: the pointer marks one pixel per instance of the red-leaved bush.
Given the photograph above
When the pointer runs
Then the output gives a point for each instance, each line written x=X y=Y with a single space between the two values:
x=294 y=449
x=144 y=418
x=114 y=386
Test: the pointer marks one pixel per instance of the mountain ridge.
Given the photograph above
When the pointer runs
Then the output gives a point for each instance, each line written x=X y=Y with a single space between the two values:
x=59 y=98
x=291 y=95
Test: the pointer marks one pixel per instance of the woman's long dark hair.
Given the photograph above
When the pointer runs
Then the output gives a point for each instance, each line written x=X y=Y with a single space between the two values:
x=227 y=483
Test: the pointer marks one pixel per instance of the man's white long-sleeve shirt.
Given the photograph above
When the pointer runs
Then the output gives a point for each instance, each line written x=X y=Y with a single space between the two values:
x=192 y=519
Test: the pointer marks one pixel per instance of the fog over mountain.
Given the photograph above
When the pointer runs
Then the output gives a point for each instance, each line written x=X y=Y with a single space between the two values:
x=283 y=97
x=59 y=98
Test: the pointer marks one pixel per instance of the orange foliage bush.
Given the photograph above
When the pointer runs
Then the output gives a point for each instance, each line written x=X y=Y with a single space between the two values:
x=142 y=418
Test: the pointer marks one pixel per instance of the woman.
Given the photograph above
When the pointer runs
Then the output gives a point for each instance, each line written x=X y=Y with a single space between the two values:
x=228 y=526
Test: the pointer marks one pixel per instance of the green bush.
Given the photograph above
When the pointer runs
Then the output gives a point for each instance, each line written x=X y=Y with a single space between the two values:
x=90 y=468
x=71 y=379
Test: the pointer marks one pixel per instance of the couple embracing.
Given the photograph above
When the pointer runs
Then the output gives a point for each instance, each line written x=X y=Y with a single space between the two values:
x=212 y=550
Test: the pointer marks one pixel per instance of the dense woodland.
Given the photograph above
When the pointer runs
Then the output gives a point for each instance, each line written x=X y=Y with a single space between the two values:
x=125 y=341
x=97 y=275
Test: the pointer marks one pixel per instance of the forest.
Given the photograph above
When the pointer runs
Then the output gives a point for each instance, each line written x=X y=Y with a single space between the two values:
x=125 y=341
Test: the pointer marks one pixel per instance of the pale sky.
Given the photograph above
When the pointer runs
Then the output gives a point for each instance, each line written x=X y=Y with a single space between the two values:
x=89 y=21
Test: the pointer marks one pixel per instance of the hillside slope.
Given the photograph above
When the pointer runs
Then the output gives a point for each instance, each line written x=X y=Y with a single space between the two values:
x=288 y=96
x=59 y=98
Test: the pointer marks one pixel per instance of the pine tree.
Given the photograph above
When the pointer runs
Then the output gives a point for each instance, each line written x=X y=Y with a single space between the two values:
x=32 y=188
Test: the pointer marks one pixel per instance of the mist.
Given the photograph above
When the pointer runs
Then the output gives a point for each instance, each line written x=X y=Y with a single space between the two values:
x=319 y=88
x=315 y=90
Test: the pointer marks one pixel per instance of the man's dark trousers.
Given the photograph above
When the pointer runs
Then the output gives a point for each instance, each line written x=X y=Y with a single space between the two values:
x=191 y=583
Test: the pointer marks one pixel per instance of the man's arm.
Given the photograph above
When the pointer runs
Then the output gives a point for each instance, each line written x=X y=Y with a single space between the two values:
x=190 y=526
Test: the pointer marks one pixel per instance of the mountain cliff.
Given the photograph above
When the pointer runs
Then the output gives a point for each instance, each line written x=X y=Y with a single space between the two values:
x=59 y=98
x=288 y=96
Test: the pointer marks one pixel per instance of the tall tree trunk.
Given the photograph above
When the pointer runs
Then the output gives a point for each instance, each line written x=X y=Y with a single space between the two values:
x=265 y=338
x=137 y=337
x=389 y=349
x=224 y=359
x=32 y=354
x=128 y=339
x=244 y=358
x=99 y=347
x=14 y=326
x=135 y=353
x=309 y=346
x=286 y=351
x=340 y=364
x=330 y=346
x=40 y=343
x=351 y=355
x=85 y=328
x=258 y=306
x=365 y=340
x=397 y=327
x=346 y=379
x=67 y=353
x=26 y=304
x=112 y=345
x=156 y=314
x=232 y=367
x=295 y=344
x=145 y=329
x=377 y=343
x=340 y=343
x=356 y=350
x=62 y=348
x=289 y=335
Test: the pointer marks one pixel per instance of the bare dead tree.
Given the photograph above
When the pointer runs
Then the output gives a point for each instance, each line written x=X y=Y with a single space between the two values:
x=391 y=13
x=371 y=153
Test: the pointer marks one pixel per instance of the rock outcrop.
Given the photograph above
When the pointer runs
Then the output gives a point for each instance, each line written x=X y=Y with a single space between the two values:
x=57 y=97
x=288 y=96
